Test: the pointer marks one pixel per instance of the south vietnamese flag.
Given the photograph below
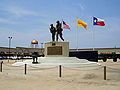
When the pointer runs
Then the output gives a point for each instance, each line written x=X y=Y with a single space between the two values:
x=98 y=21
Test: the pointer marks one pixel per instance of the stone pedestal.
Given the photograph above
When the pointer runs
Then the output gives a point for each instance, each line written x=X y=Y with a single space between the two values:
x=57 y=49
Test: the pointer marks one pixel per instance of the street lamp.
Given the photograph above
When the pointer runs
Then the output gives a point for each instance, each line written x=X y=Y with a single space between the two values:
x=42 y=45
x=42 y=49
x=10 y=38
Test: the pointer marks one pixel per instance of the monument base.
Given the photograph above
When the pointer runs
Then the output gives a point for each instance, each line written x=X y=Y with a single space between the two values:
x=57 y=49
x=34 y=62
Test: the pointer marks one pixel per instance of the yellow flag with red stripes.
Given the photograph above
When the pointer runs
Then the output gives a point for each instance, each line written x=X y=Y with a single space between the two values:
x=81 y=23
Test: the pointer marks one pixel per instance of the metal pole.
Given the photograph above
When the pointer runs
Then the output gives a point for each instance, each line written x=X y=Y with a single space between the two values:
x=41 y=45
x=25 y=69
x=93 y=37
x=1 y=66
x=9 y=46
x=60 y=71
x=42 y=49
x=104 y=72
x=77 y=38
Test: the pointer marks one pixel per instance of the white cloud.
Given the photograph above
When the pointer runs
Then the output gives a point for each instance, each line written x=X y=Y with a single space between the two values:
x=81 y=6
x=6 y=21
x=13 y=14
x=19 y=12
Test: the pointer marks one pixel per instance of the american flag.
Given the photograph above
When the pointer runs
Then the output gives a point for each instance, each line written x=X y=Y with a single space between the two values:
x=66 y=26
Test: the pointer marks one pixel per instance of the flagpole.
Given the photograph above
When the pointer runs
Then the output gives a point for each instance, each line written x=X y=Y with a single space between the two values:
x=77 y=36
x=98 y=22
x=77 y=39
x=93 y=39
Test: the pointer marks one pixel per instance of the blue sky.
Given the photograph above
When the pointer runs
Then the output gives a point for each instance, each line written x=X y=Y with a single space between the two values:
x=26 y=20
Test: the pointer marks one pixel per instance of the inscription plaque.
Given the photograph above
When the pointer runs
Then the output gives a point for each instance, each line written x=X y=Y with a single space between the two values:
x=54 y=50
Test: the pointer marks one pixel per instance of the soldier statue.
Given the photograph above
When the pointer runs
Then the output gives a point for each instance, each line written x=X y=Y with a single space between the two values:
x=53 y=32
x=59 y=30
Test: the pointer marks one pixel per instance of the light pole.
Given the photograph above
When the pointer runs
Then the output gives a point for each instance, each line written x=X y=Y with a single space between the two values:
x=42 y=49
x=42 y=45
x=10 y=38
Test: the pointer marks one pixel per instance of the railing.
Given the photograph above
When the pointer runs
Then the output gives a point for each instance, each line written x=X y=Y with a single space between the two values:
x=26 y=68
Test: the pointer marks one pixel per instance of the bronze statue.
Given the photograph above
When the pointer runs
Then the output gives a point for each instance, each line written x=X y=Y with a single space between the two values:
x=35 y=57
x=59 y=30
x=53 y=32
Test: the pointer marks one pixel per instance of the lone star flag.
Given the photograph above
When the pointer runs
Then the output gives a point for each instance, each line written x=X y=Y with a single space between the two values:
x=66 y=26
x=98 y=21
x=81 y=23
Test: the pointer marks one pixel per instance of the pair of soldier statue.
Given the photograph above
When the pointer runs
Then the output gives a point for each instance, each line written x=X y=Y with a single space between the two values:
x=56 y=31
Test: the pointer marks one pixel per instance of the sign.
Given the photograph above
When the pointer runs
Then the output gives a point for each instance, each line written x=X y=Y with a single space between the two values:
x=54 y=50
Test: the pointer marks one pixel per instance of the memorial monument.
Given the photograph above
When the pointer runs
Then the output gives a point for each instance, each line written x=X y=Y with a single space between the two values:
x=56 y=53
x=56 y=48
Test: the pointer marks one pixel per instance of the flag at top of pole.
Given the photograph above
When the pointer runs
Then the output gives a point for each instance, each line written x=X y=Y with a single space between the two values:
x=81 y=23
x=98 y=21
x=65 y=25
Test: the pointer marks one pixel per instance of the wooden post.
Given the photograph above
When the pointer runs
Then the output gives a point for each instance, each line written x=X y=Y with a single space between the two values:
x=104 y=72
x=60 y=71
x=1 y=66
x=25 y=69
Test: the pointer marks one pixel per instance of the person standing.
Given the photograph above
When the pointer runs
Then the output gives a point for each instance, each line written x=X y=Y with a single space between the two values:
x=59 y=30
x=53 y=32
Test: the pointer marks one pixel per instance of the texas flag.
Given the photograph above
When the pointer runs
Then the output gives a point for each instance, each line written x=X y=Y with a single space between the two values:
x=98 y=21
